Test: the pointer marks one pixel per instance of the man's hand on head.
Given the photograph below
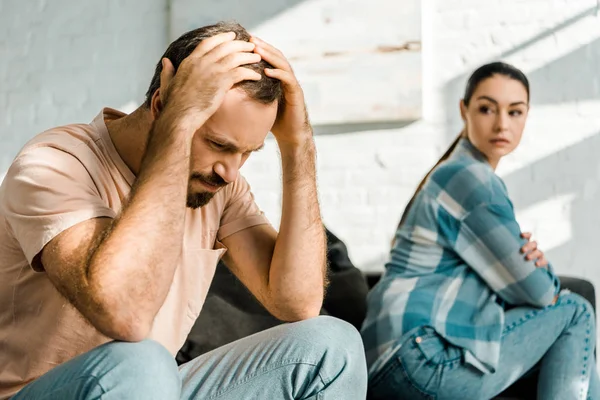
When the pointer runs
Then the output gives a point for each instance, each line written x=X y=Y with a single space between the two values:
x=292 y=125
x=197 y=90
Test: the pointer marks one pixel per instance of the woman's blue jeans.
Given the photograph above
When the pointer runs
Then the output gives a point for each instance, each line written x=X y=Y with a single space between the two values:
x=559 y=340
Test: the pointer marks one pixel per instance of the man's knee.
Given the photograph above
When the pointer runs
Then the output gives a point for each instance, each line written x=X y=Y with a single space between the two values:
x=336 y=340
x=142 y=367
x=334 y=332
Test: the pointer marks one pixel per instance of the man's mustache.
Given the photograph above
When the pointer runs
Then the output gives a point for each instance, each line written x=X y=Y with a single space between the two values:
x=213 y=179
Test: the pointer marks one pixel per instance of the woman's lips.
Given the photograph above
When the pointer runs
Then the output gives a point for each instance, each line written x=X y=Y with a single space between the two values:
x=499 y=141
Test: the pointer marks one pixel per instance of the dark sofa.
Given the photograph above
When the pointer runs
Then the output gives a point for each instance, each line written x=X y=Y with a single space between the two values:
x=231 y=312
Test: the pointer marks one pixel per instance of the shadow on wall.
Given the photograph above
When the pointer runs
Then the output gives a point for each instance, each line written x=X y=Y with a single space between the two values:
x=571 y=77
x=557 y=175
x=581 y=182
x=214 y=10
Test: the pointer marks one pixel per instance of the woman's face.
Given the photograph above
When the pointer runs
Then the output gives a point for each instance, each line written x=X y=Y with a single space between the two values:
x=496 y=115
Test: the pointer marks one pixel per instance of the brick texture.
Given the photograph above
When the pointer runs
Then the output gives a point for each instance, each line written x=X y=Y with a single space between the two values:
x=63 y=61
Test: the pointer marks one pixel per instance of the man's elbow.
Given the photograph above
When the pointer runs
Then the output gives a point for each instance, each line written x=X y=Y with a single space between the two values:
x=116 y=321
x=124 y=329
x=297 y=312
x=116 y=317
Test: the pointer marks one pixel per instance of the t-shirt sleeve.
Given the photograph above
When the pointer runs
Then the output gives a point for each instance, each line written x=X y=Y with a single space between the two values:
x=241 y=211
x=47 y=191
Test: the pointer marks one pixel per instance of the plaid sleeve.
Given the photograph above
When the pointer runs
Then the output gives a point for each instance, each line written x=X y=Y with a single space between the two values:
x=489 y=241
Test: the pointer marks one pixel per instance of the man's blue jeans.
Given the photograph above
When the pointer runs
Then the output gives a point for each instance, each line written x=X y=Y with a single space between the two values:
x=320 y=358
x=559 y=340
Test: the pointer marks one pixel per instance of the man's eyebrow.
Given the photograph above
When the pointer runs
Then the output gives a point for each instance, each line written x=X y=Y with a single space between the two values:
x=259 y=148
x=227 y=144
x=496 y=102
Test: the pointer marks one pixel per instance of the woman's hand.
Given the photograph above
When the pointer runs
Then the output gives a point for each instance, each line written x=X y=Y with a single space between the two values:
x=532 y=252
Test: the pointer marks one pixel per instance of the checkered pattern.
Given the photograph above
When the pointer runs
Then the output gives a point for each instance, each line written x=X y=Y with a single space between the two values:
x=456 y=265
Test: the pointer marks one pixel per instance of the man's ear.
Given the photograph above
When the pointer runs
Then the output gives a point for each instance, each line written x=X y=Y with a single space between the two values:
x=159 y=96
x=156 y=104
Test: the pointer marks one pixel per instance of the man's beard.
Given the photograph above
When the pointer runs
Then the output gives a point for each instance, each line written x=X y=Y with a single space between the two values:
x=199 y=199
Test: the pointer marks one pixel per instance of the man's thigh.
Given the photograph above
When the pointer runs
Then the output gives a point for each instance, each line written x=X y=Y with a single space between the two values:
x=292 y=361
x=115 y=370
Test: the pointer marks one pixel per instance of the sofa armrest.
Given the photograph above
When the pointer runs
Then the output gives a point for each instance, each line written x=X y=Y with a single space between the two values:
x=581 y=287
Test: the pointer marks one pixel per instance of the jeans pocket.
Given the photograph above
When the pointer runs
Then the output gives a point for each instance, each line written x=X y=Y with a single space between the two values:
x=436 y=349
x=393 y=383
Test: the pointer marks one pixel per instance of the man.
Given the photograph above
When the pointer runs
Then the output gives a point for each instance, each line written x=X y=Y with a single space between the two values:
x=103 y=268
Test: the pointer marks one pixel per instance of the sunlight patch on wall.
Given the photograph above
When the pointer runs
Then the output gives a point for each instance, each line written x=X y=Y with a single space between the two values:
x=128 y=107
x=566 y=37
x=358 y=61
x=549 y=221
x=550 y=129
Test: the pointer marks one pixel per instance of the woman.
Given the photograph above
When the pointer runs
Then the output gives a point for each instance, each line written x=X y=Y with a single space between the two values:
x=466 y=306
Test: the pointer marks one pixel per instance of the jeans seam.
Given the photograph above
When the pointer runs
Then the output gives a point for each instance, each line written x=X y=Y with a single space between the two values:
x=526 y=318
x=561 y=302
x=586 y=355
x=261 y=371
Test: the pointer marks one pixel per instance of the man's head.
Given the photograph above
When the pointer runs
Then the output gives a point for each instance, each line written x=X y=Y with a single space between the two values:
x=239 y=127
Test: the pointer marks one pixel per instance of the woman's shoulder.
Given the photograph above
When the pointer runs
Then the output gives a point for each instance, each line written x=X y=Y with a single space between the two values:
x=464 y=171
x=467 y=182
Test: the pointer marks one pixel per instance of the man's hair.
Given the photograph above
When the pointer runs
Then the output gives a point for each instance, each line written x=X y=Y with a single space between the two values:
x=266 y=90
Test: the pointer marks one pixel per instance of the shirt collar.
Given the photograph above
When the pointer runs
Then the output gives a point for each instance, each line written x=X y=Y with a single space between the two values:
x=465 y=149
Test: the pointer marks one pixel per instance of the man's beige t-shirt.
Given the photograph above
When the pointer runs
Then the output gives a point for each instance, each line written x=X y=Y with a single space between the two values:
x=65 y=176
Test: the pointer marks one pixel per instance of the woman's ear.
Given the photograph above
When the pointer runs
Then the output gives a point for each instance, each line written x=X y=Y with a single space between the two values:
x=463 y=110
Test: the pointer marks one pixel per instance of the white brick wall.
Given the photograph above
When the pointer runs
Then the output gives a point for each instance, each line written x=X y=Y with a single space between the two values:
x=62 y=61
x=366 y=178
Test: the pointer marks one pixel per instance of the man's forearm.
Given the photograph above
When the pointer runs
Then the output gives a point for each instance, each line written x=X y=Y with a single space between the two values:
x=130 y=271
x=298 y=269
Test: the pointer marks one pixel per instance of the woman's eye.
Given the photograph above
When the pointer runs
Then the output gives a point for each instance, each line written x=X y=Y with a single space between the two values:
x=485 y=110
x=515 y=113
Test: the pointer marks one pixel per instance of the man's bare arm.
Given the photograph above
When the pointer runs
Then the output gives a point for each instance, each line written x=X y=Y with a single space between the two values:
x=286 y=271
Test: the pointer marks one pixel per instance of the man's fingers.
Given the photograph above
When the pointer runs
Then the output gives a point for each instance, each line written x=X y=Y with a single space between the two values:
x=292 y=93
x=224 y=50
x=244 y=74
x=210 y=43
x=526 y=235
x=273 y=57
x=265 y=45
x=287 y=78
x=239 y=59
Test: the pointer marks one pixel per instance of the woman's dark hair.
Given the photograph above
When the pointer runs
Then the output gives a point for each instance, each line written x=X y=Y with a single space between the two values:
x=482 y=73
